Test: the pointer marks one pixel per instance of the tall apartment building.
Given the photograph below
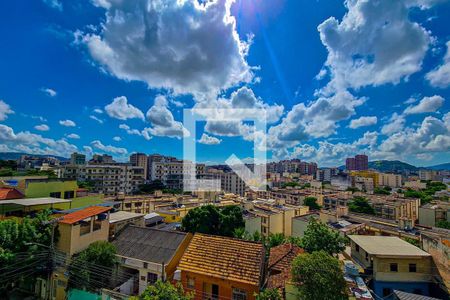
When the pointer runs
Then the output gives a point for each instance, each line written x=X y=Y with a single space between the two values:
x=102 y=159
x=391 y=180
x=77 y=159
x=232 y=183
x=292 y=166
x=140 y=160
x=358 y=163
x=326 y=174
x=108 y=179
x=170 y=170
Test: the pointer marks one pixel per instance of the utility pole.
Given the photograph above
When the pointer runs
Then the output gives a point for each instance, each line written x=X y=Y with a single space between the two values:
x=52 y=222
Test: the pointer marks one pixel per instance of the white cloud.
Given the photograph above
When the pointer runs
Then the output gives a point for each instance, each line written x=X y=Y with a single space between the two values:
x=67 y=123
x=184 y=46
x=120 y=109
x=209 y=140
x=42 y=127
x=363 y=121
x=117 y=138
x=144 y=133
x=34 y=143
x=56 y=4
x=162 y=120
x=73 y=136
x=110 y=149
x=433 y=135
x=96 y=119
x=49 y=92
x=395 y=124
x=426 y=105
x=411 y=100
x=176 y=103
x=98 y=111
x=440 y=77
x=375 y=43
x=5 y=110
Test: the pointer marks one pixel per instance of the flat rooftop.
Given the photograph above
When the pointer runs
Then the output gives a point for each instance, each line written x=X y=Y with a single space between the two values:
x=386 y=246
x=122 y=216
x=35 y=201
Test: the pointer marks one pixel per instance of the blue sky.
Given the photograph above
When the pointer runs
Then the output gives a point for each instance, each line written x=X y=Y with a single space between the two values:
x=336 y=78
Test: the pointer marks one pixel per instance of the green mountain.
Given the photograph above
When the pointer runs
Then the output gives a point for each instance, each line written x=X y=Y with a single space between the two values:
x=17 y=155
x=440 y=167
x=391 y=166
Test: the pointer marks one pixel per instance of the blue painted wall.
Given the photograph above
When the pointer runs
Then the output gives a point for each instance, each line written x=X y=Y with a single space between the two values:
x=409 y=287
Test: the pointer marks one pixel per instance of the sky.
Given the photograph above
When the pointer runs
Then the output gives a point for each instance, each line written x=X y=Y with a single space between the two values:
x=334 y=78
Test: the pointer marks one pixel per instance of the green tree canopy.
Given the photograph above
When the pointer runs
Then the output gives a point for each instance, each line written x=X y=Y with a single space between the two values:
x=210 y=219
x=318 y=276
x=319 y=237
x=311 y=202
x=361 y=205
x=443 y=224
x=93 y=267
x=165 y=291
x=268 y=294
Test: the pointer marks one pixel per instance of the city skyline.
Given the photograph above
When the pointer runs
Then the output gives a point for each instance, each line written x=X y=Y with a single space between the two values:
x=71 y=83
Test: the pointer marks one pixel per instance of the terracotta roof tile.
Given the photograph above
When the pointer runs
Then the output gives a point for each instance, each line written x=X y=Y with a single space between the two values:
x=280 y=261
x=225 y=258
x=10 y=193
x=83 y=214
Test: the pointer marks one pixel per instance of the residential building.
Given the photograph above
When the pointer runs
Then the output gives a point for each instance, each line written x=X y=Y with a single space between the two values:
x=415 y=185
x=431 y=213
x=326 y=174
x=269 y=219
x=102 y=159
x=341 y=181
x=392 y=264
x=232 y=183
x=216 y=267
x=437 y=243
x=427 y=175
x=119 y=220
x=279 y=270
x=10 y=193
x=358 y=163
x=291 y=196
x=107 y=179
x=364 y=184
x=77 y=159
x=24 y=207
x=81 y=228
x=366 y=174
x=149 y=254
x=390 y=180
x=140 y=160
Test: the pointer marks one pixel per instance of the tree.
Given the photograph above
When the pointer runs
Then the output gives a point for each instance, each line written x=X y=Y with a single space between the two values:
x=93 y=267
x=361 y=205
x=381 y=191
x=149 y=188
x=165 y=291
x=319 y=237
x=318 y=276
x=311 y=202
x=443 y=224
x=275 y=239
x=210 y=219
x=268 y=294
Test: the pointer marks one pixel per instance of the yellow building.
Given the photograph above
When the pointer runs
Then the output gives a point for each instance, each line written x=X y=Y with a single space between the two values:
x=367 y=174
x=270 y=219
x=394 y=264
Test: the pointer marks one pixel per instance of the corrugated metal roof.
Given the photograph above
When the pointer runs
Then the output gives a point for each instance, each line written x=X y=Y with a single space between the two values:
x=387 y=245
x=408 y=296
x=148 y=244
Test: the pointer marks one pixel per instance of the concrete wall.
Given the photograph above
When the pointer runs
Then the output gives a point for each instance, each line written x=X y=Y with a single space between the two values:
x=382 y=271
x=299 y=227
x=253 y=224
x=44 y=188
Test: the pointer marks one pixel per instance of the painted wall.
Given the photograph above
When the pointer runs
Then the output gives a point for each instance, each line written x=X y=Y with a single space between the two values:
x=44 y=188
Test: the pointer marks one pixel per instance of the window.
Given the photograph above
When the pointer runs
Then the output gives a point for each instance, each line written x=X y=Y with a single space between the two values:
x=394 y=267
x=357 y=248
x=412 y=268
x=85 y=226
x=152 y=278
x=239 y=294
x=97 y=222
x=69 y=194
x=55 y=194
x=190 y=283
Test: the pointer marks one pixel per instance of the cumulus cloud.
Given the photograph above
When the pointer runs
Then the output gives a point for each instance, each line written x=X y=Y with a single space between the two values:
x=186 y=46
x=375 y=43
x=98 y=111
x=96 y=119
x=67 y=123
x=25 y=141
x=440 y=77
x=316 y=119
x=56 y=4
x=433 y=135
x=120 y=109
x=110 y=149
x=144 y=133
x=49 y=92
x=363 y=121
x=5 y=110
x=426 y=105
x=395 y=124
x=162 y=120
x=209 y=140
x=42 y=127
x=73 y=136
x=117 y=138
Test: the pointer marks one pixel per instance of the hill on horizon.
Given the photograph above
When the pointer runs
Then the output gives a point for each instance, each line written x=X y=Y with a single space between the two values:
x=17 y=155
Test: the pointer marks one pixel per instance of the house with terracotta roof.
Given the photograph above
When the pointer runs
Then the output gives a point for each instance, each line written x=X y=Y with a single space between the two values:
x=279 y=269
x=9 y=193
x=216 y=267
x=81 y=228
